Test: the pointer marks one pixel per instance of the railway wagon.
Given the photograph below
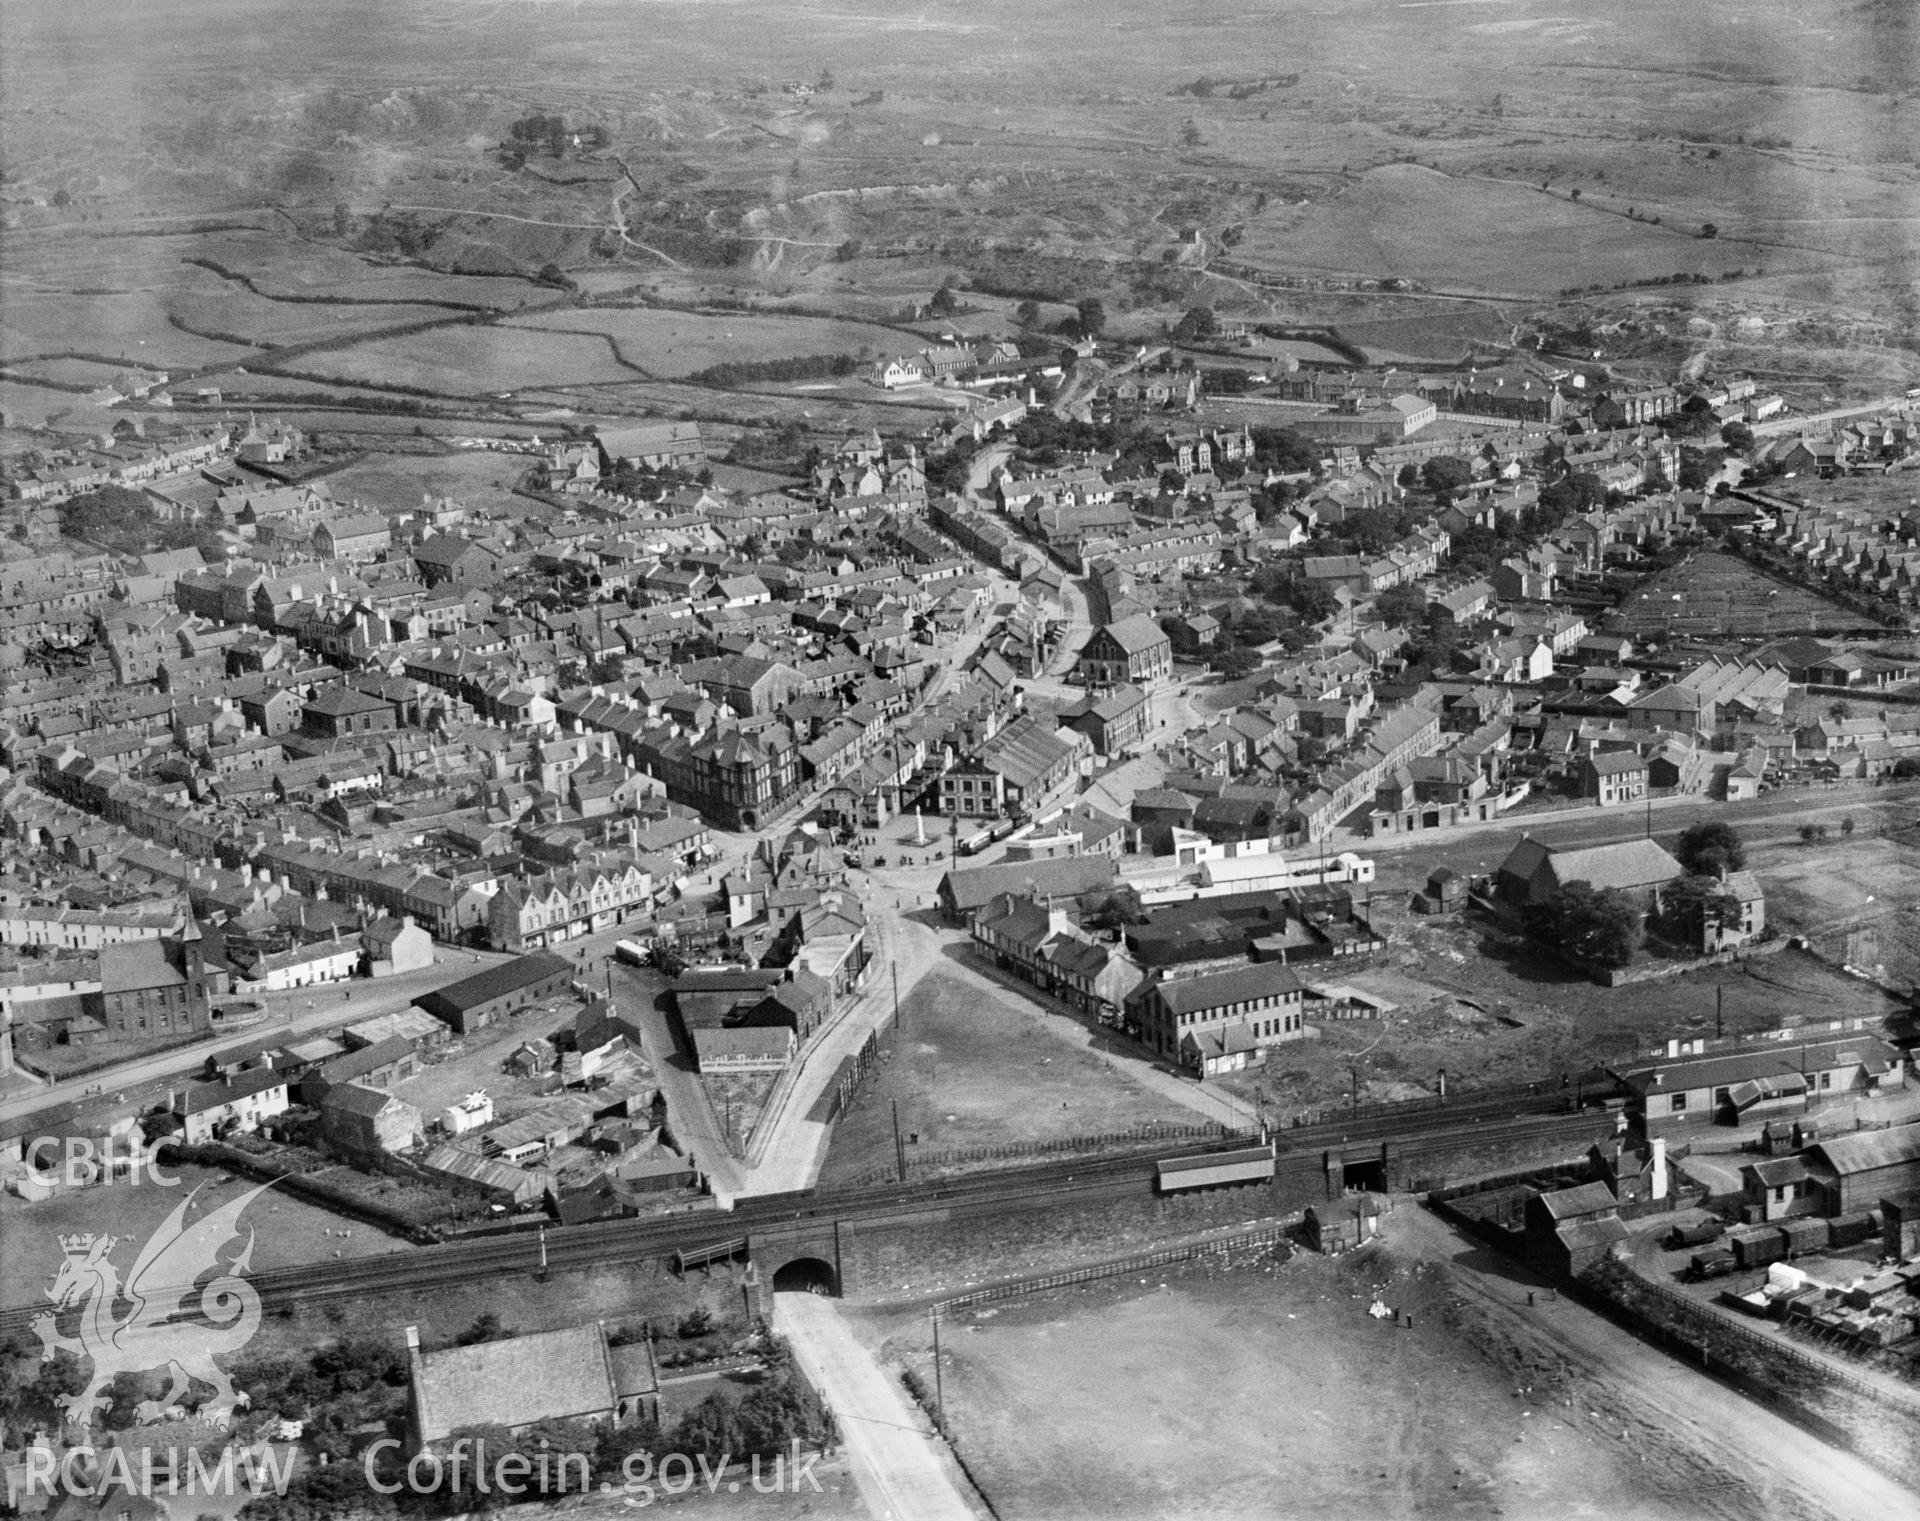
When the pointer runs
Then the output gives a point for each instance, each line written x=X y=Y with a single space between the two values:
x=1254 y=1164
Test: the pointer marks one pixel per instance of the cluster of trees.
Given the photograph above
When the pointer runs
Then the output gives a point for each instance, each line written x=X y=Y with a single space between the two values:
x=737 y=373
x=1601 y=925
x=29 y=1387
x=118 y=519
x=772 y=1415
x=552 y=133
x=1197 y=323
x=1706 y=851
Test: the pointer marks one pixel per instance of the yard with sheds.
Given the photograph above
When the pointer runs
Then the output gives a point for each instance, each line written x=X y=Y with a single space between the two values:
x=970 y=1066
x=1719 y=596
x=1266 y=1389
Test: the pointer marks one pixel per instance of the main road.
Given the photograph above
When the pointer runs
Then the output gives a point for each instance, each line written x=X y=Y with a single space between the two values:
x=897 y=1461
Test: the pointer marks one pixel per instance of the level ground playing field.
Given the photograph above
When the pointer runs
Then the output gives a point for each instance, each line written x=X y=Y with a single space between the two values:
x=1270 y=1391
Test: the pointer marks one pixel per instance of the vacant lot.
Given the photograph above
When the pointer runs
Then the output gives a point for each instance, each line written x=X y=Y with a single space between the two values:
x=1492 y=1010
x=1269 y=1391
x=672 y=344
x=1855 y=898
x=474 y=361
x=287 y=1231
x=1716 y=595
x=470 y=476
x=971 y=1067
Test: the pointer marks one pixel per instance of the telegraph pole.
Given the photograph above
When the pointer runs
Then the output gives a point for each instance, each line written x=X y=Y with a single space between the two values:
x=939 y=1387
x=894 y=967
x=899 y=1147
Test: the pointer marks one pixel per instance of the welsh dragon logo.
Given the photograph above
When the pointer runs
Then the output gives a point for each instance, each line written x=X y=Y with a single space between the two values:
x=154 y=1331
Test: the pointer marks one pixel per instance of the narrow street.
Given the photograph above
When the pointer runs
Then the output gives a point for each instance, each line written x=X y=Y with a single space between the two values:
x=902 y=1468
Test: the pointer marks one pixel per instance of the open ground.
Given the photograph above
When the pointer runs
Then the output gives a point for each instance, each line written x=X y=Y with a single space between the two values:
x=1715 y=595
x=971 y=1068
x=1267 y=1389
x=287 y=1231
x=1429 y=180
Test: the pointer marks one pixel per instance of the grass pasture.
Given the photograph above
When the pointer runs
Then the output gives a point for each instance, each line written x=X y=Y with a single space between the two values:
x=1439 y=333
x=1403 y=218
x=1716 y=595
x=282 y=267
x=474 y=361
x=130 y=327
x=69 y=372
x=672 y=344
x=26 y=406
x=234 y=311
x=288 y=1231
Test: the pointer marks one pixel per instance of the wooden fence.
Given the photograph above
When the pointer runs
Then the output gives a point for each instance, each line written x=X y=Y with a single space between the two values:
x=1270 y=1234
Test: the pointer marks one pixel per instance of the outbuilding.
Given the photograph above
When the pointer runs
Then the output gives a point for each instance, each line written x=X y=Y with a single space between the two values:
x=477 y=1001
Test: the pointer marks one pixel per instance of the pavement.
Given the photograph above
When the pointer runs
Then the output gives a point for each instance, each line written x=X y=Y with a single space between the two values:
x=902 y=1469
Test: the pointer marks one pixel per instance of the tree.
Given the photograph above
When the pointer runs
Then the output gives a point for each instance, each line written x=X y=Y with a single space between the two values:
x=1444 y=475
x=944 y=303
x=1710 y=847
x=1027 y=314
x=1602 y=926
x=1737 y=436
x=486 y=1327
x=1093 y=316
x=1314 y=601
x=1846 y=827
x=1693 y=905
x=342 y=218
x=1239 y=662
x=1402 y=606
x=1709 y=230
x=1198 y=322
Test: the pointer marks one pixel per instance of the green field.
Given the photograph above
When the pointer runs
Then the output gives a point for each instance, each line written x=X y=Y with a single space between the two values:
x=672 y=344
x=473 y=361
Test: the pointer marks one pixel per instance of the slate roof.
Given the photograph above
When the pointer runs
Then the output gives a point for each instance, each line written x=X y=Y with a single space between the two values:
x=1262 y=980
x=1870 y=1150
x=550 y=1375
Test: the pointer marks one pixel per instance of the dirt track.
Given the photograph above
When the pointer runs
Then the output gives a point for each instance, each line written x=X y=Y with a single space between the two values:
x=1736 y=1458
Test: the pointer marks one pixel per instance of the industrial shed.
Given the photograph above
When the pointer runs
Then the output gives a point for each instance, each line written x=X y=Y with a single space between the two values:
x=1855 y=1172
x=475 y=1002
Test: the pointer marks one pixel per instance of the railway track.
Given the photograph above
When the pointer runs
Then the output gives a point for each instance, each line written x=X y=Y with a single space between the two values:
x=1300 y=1159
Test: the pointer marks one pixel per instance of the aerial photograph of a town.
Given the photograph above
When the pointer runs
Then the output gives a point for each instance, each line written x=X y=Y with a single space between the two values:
x=952 y=760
